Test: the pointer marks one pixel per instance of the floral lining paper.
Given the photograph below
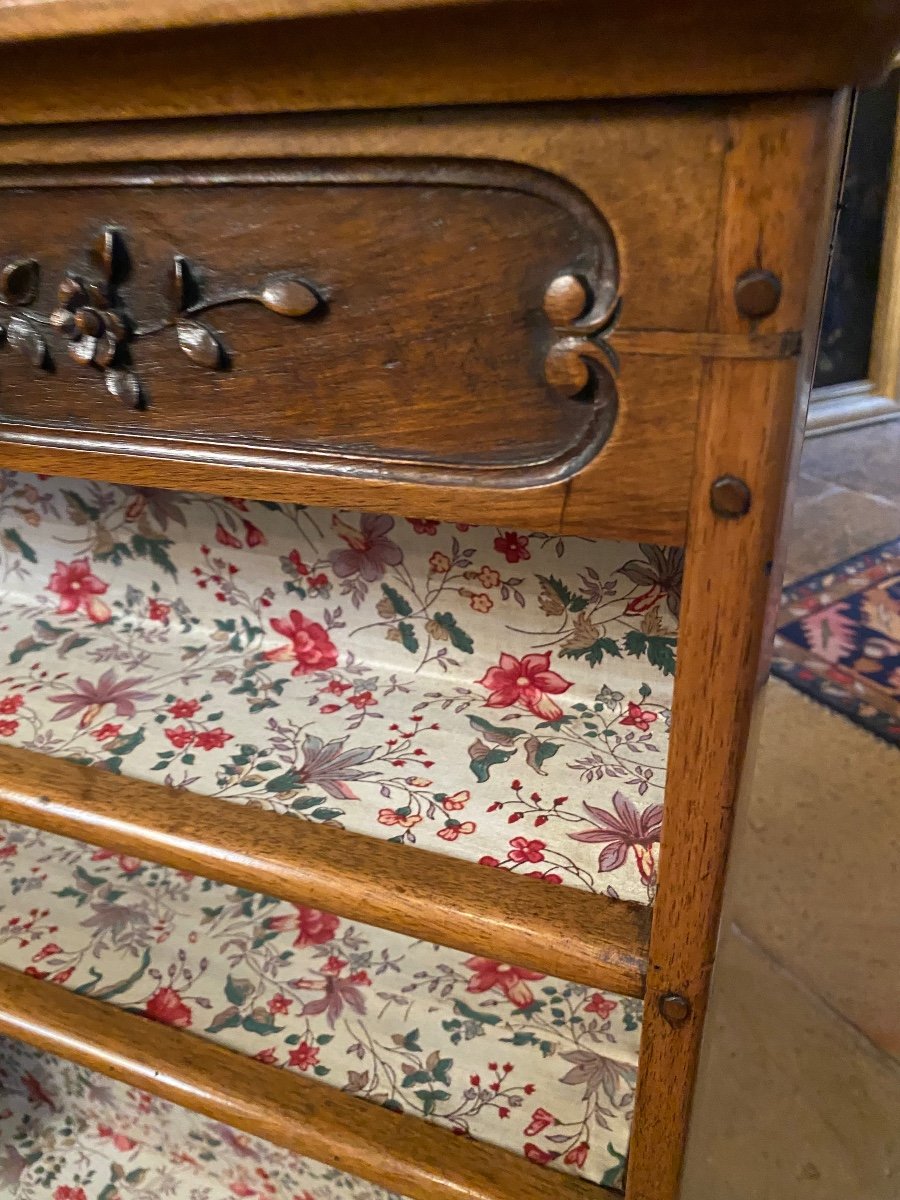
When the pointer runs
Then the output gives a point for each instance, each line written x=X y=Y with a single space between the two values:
x=500 y=696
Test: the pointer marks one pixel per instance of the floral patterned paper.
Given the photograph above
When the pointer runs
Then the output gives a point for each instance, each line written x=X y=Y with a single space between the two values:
x=489 y=693
x=540 y=1066
x=69 y=1134
x=482 y=692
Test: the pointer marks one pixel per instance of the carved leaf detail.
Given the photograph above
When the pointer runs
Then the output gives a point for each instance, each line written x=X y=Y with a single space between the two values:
x=107 y=348
x=200 y=344
x=63 y=319
x=124 y=386
x=71 y=292
x=19 y=281
x=290 y=297
x=108 y=254
x=83 y=351
x=183 y=290
x=24 y=338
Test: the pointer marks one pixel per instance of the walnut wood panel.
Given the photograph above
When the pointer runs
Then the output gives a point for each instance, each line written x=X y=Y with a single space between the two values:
x=360 y=317
x=651 y=169
x=776 y=175
x=463 y=54
x=412 y=891
x=397 y=1151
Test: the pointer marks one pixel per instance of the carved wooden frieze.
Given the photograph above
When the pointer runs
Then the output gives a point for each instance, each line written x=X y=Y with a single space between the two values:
x=449 y=321
x=92 y=314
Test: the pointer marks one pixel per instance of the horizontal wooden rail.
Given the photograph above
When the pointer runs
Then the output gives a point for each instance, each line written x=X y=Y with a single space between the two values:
x=576 y=935
x=398 y=1151
x=668 y=343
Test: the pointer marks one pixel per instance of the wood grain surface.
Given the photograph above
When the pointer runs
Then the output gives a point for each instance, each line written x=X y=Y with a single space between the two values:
x=416 y=892
x=397 y=1151
x=424 y=358
x=652 y=169
x=428 y=55
x=777 y=210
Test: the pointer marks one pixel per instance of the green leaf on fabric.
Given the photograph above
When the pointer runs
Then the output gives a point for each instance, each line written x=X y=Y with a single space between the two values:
x=572 y=602
x=659 y=650
x=480 y=763
x=472 y=1014
x=401 y=606
x=156 y=550
x=289 y=781
x=13 y=535
x=503 y=735
x=237 y=990
x=595 y=652
x=458 y=637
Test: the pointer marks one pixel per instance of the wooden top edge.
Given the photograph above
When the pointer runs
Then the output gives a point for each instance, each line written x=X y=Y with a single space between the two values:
x=33 y=20
x=395 y=53
x=27 y=20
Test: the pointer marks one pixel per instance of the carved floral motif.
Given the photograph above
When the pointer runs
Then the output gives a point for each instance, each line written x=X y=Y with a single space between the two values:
x=93 y=316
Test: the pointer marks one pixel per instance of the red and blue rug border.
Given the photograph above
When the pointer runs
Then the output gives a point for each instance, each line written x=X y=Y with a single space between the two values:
x=816 y=678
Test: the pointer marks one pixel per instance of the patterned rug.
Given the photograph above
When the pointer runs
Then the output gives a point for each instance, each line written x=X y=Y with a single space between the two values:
x=839 y=639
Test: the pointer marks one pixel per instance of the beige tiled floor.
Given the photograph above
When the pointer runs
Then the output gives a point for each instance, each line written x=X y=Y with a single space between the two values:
x=799 y=1090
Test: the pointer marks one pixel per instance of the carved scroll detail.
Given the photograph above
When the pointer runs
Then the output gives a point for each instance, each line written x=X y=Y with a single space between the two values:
x=92 y=315
x=581 y=364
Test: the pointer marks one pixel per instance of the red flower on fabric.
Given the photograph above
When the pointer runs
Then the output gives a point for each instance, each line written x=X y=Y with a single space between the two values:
x=167 y=1007
x=127 y=863
x=304 y=1056
x=540 y=1120
x=157 y=611
x=361 y=699
x=77 y=587
x=527 y=681
x=308 y=644
x=212 y=739
x=11 y=704
x=106 y=731
x=599 y=1004
x=180 y=736
x=513 y=546
x=420 y=526
x=64 y=1192
x=46 y=951
x=641 y=718
x=451 y=832
x=527 y=850
x=297 y=563
x=224 y=538
x=120 y=1140
x=279 y=1003
x=510 y=980
x=536 y=1155
x=255 y=537
x=184 y=708
x=8 y=728
x=577 y=1156
x=313 y=926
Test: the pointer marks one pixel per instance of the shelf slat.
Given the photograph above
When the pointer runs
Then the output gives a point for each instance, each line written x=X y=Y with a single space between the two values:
x=573 y=934
x=397 y=1151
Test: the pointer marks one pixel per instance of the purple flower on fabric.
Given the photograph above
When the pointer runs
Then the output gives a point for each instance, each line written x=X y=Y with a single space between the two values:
x=369 y=549
x=90 y=699
x=625 y=829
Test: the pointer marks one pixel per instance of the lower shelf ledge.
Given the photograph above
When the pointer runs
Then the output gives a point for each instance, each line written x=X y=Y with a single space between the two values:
x=401 y=1153
x=576 y=935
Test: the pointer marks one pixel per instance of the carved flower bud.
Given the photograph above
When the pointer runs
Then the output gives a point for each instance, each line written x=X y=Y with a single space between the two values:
x=88 y=322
